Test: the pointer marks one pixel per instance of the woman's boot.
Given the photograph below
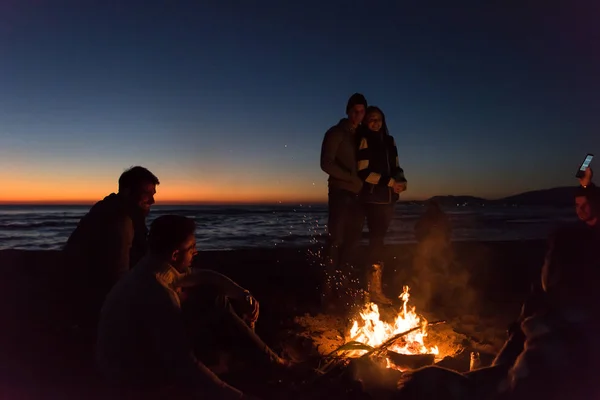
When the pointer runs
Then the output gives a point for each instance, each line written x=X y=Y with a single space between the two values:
x=375 y=286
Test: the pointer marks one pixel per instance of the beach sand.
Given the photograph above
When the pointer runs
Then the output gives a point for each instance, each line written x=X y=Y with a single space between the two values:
x=481 y=295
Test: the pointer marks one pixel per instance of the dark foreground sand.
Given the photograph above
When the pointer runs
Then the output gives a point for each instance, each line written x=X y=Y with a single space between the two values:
x=39 y=360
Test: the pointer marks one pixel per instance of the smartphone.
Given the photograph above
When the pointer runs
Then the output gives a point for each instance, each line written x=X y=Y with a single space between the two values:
x=584 y=165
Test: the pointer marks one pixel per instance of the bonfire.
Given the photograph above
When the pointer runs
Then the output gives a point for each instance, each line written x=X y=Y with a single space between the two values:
x=372 y=331
x=400 y=342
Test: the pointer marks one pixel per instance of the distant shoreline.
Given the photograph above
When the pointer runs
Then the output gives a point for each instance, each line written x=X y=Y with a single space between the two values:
x=558 y=196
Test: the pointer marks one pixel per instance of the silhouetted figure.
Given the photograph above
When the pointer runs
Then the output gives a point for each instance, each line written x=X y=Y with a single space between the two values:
x=383 y=178
x=587 y=207
x=338 y=160
x=108 y=241
x=434 y=223
x=143 y=345
x=553 y=346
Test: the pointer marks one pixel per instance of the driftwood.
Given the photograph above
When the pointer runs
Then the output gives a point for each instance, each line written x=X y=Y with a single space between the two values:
x=335 y=361
x=410 y=361
x=379 y=350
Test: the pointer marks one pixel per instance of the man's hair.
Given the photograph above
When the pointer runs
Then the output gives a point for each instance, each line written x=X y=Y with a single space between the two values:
x=355 y=99
x=169 y=232
x=134 y=177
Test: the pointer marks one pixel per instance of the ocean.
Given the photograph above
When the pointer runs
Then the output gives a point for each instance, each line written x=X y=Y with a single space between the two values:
x=230 y=227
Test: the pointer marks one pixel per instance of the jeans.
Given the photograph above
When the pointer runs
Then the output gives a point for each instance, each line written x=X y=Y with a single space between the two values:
x=344 y=226
x=379 y=218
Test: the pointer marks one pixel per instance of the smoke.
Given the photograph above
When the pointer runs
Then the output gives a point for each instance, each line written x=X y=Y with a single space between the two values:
x=441 y=284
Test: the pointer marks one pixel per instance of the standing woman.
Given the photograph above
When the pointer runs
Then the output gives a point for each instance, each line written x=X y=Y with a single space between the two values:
x=383 y=178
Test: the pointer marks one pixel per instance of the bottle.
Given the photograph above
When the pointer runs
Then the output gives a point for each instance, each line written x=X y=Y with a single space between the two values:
x=475 y=361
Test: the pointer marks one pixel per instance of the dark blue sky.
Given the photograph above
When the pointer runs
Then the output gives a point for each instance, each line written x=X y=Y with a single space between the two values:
x=226 y=100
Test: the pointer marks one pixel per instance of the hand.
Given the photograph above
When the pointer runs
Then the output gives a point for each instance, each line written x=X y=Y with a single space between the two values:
x=586 y=179
x=357 y=181
x=251 y=306
x=399 y=187
x=254 y=307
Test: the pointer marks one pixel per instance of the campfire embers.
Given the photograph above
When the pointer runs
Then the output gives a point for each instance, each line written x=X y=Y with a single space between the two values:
x=402 y=338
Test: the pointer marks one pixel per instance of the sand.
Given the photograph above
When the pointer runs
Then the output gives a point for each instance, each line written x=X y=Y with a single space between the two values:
x=478 y=296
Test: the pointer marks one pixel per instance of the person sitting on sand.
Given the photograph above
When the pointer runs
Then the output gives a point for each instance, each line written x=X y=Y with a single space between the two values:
x=553 y=346
x=587 y=207
x=109 y=240
x=142 y=339
x=384 y=180
x=553 y=342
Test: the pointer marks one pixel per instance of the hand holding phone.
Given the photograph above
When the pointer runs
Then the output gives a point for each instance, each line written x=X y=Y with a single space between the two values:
x=584 y=166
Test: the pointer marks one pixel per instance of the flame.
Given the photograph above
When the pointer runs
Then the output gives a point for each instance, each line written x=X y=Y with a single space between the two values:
x=371 y=330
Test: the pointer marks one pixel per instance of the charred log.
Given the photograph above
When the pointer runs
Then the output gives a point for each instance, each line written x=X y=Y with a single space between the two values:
x=410 y=361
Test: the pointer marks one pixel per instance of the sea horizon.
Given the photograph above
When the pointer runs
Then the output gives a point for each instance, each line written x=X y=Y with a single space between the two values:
x=551 y=192
x=239 y=226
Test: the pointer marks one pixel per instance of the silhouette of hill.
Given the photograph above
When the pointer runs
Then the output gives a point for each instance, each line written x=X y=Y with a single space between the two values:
x=559 y=196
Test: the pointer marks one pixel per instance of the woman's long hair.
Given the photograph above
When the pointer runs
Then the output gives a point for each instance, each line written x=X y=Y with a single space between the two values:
x=373 y=109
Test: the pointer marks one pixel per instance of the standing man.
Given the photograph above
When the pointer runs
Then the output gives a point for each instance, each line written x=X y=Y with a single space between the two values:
x=338 y=160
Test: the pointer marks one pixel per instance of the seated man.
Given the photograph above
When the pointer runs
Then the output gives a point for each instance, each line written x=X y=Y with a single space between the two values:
x=142 y=339
x=553 y=345
x=554 y=276
x=108 y=241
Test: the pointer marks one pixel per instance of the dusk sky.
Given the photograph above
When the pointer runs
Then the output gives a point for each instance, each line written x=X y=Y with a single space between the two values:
x=229 y=100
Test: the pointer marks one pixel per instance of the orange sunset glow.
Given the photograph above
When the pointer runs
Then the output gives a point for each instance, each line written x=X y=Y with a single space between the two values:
x=77 y=189
x=56 y=193
x=63 y=185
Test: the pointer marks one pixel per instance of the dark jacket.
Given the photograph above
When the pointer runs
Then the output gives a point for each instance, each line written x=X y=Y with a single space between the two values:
x=338 y=157
x=378 y=167
x=108 y=241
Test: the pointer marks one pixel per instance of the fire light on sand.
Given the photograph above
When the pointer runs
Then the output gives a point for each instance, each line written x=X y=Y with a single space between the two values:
x=371 y=330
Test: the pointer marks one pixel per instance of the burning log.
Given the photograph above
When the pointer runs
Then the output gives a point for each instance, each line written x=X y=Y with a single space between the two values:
x=334 y=360
x=385 y=345
x=410 y=361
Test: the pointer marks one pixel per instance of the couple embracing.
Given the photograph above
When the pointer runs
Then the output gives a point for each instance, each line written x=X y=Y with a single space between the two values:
x=365 y=180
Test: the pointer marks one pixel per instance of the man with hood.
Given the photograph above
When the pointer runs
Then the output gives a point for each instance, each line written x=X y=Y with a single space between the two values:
x=109 y=240
x=338 y=160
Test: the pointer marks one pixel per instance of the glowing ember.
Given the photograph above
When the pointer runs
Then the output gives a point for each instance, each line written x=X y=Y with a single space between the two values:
x=373 y=331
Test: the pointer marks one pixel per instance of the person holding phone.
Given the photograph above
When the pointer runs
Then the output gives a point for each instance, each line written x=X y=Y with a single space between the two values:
x=383 y=181
x=587 y=199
